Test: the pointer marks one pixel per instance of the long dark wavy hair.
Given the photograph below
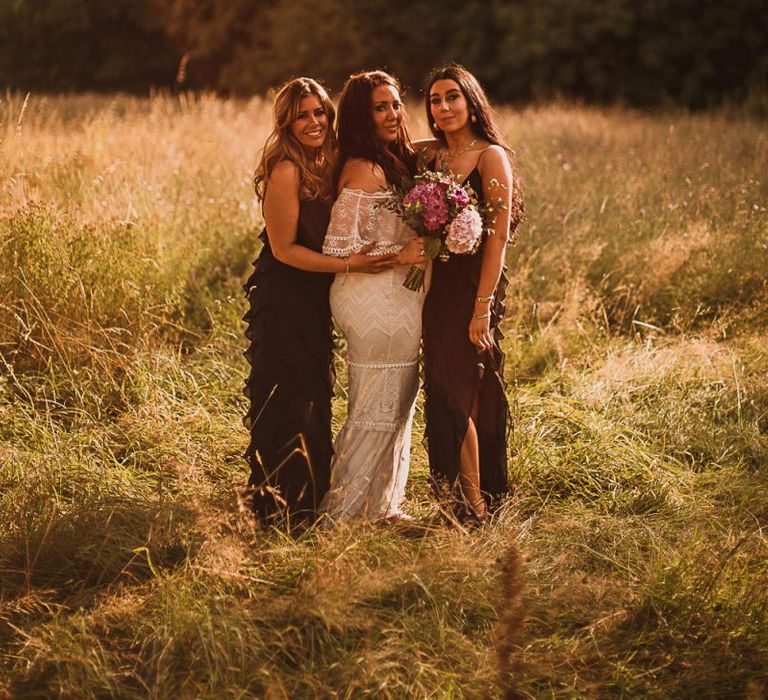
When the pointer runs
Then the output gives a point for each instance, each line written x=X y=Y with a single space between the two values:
x=315 y=168
x=484 y=126
x=357 y=130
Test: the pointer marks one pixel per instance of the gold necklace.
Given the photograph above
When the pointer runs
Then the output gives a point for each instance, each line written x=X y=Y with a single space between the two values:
x=452 y=156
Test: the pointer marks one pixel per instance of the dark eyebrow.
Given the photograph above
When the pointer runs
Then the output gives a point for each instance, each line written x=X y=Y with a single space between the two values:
x=447 y=92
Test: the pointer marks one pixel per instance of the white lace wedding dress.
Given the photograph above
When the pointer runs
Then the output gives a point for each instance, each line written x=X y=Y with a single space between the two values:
x=381 y=321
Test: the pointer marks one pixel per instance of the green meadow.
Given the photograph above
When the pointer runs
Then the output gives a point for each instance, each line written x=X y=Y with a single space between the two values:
x=630 y=561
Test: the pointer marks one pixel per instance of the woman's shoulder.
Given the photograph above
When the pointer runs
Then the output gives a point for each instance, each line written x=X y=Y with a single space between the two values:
x=492 y=154
x=493 y=161
x=363 y=175
x=284 y=173
x=426 y=150
x=282 y=181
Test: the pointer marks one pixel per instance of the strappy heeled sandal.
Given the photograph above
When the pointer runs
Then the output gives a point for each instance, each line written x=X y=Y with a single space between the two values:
x=467 y=513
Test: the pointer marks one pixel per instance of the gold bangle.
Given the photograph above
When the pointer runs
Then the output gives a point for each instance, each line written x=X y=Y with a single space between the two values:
x=485 y=300
x=346 y=264
x=488 y=315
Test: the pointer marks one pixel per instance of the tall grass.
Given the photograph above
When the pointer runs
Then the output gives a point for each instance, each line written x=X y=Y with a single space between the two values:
x=637 y=379
x=640 y=219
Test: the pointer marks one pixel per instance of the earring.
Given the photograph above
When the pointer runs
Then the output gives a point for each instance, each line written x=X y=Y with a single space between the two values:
x=473 y=119
x=435 y=127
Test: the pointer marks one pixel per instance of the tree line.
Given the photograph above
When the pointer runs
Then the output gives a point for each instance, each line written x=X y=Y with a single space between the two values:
x=694 y=53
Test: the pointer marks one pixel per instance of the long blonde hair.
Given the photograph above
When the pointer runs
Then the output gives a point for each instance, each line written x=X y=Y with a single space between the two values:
x=315 y=169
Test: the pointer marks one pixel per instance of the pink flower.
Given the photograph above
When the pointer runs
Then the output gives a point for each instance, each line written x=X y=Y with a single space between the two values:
x=465 y=231
x=428 y=198
x=459 y=196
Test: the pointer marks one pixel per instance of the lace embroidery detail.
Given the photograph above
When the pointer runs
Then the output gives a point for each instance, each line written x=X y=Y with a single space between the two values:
x=381 y=320
x=381 y=366
x=381 y=398
x=358 y=218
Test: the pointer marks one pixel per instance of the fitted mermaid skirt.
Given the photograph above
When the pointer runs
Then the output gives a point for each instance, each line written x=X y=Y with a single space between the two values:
x=381 y=321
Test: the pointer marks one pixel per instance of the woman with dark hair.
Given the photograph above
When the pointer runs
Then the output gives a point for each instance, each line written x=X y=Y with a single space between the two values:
x=466 y=407
x=380 y=318
x=289 y=319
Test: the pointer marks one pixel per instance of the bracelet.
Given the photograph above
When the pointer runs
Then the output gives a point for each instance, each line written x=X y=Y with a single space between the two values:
x=346 y=264
x=487 y=315
x=485 y=300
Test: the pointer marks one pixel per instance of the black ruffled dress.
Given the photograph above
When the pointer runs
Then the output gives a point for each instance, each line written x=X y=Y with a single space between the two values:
x=291 y=379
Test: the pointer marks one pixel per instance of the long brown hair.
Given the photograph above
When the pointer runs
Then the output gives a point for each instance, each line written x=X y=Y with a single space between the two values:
x=357 y=130
x=315 y=168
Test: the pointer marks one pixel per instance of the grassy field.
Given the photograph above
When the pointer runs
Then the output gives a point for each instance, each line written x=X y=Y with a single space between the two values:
x=638 y=380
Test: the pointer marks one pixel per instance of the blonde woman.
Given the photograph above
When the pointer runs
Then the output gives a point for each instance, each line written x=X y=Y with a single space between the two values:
x=289 y=319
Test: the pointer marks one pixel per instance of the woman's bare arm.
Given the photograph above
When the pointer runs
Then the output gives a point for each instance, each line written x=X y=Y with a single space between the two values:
x=281 y=215
x=359 y=174
x=496 y=174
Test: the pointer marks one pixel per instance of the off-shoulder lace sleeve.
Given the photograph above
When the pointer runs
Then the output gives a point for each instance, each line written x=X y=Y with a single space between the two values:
x=343 y=236
x=358 y=218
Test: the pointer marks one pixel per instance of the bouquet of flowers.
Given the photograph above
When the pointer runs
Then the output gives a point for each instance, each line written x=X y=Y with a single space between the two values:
x=443 y=210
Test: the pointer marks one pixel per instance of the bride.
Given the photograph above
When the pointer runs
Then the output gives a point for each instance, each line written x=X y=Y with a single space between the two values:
x=380 y=318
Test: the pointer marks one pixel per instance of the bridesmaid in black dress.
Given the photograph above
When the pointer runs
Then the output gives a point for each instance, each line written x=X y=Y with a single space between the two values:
x=466 y=408
x=289 y=320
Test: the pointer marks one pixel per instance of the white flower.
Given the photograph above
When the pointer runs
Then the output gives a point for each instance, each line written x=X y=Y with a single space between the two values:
x=464 y=232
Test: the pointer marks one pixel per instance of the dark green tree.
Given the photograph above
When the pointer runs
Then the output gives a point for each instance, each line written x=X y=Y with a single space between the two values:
x=83 y=44
x=210 y=34
x=696 y=53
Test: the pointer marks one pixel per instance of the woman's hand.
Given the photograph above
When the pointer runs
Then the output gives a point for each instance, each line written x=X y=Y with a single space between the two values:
x=480 y=329
x=361 y=262
x=412 y=253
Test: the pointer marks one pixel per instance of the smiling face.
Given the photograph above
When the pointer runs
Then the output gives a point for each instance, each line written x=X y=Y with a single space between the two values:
x=387 y=112
x=310 y=128
x=448 y=106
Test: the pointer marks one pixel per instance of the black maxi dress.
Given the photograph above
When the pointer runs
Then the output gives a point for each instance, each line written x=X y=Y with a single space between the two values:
x=456 y=373
x=291 y=379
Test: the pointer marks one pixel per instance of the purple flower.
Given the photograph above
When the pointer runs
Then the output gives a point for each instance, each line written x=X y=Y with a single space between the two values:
x=459 y=196
x=428 y=198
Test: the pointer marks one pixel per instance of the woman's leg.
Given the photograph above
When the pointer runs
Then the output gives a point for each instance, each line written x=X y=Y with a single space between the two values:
x=469 y=467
